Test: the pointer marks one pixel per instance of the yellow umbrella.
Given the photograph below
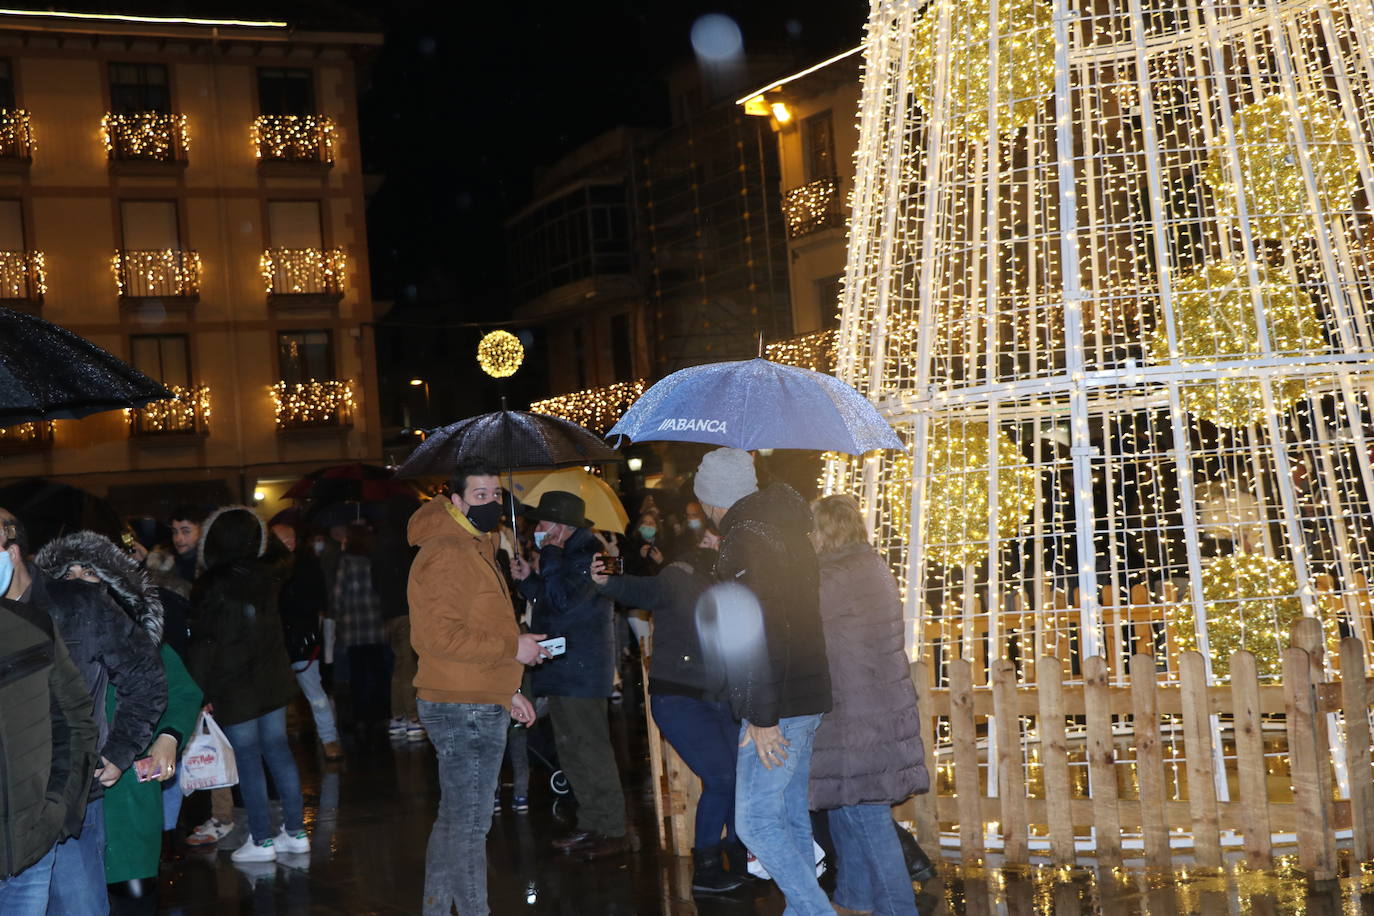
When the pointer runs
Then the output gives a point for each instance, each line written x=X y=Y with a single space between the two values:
x=603 y=506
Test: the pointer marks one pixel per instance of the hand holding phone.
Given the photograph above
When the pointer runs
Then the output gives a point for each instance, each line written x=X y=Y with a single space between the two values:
x=145 y=768
x=556 y=645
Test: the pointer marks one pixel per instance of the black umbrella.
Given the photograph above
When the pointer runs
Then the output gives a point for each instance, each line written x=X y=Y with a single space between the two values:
x=50 y=510
x=513 y=439
x=49 y=373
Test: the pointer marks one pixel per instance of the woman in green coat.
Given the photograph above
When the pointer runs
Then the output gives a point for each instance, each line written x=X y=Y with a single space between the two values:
x=133 y=807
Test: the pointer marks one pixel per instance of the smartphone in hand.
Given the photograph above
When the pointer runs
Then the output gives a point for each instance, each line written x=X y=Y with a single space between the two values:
x=145 y=768
x=610 y=565
x=556 y=645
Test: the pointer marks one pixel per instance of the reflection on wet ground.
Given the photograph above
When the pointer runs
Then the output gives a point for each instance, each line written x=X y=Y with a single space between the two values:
x=370 y=821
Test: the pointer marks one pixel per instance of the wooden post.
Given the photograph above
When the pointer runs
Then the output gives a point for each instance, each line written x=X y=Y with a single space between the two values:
x=660 y=776
x=926 y=826
x=1202 y=760
x=1254 y=787
x=1054 y=755
x=1316 y=845
x=1011 y=773
x=964 y=733
x=1149 y=761
x=1102 y=761
x=1355 y=698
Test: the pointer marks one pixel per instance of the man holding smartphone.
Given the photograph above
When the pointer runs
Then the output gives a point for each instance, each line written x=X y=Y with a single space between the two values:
x=471 y=656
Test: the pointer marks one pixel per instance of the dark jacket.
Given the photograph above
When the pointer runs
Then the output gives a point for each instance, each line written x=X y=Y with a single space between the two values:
x=868 y=748
x=237 y=653
x=676 y=664
x=302 y=601
x=567 y=603
x=47 y=738
x=764 y=546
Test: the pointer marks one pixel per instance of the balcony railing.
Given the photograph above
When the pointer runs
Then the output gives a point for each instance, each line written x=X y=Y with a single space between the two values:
x=815 y=351
x=313 y=404
x=303 y=272
x=597 y=409
x=812 y=207
x=171 y=273
x=185 y=414
x=16 y=135
x=22 y=277
x=294 y=139
x=146 y=136
x=26 y=437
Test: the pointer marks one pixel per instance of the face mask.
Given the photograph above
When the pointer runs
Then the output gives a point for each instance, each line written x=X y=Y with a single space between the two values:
x=539 y=537
x=6 y=571
x=319 y=547
x=647 y=532
x=695 y=524
x=486 y=517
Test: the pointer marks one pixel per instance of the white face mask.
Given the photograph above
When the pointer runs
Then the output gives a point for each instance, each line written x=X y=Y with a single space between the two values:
x=319 y=547
x=539 y=537
x=6 y=571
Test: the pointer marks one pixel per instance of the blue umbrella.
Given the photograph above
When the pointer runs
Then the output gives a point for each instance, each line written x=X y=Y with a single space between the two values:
x=755 y=404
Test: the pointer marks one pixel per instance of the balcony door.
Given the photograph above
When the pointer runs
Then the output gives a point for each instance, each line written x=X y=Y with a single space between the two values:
x=305 y=356
x=139 y=87
x=286 y=91
x=11 y=226
x=150 y=225
x=294 y=224
x=165 y=357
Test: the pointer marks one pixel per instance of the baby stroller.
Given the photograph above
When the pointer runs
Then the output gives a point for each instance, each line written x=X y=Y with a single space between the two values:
x=540 y=746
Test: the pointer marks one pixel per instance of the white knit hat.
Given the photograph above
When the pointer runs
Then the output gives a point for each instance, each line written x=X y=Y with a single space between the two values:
x=725 y=476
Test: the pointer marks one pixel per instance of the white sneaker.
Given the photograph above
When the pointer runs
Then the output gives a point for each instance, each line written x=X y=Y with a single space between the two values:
x=212 y=831
x=255 y=852
x=415 y=731
x=285 y=842
x=397 y=726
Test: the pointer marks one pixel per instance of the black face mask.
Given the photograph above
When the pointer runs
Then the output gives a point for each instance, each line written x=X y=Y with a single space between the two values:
x=486 y=517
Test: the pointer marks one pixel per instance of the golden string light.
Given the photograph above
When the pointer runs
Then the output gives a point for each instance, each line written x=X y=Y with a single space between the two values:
x=169 y=272
x=22 y=275
x=316 y=402
x=36 y=433
x=1216 y=319
x=597 y=409
x=293 y=138
x=500 y=354
x=812 y=207
x=16 y=134
x=303 y=271
x=810 y=351
x=187 y=411
x=146 y=135
x=1271 y=173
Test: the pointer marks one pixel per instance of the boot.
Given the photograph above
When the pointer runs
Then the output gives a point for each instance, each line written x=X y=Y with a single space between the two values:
x=737 y=857
x=918 y=864
x=708 y=877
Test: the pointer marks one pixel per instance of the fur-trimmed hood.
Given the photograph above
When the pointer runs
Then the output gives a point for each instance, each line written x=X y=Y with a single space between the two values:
x=231 y=534
x=127 y=582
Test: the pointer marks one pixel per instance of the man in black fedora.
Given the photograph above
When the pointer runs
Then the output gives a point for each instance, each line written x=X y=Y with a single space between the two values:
x=577 y=683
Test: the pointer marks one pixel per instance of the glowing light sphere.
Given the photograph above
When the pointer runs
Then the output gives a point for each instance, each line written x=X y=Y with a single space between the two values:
x=1215 y=318
x=500 y=354
x=1025 y=71
x=1271 y=175
x=958 y=482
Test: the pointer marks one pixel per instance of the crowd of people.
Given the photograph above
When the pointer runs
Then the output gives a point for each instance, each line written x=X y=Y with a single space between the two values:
x=778 y=674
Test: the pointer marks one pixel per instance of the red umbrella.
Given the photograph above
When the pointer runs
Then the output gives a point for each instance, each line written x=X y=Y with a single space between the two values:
x=354 y=482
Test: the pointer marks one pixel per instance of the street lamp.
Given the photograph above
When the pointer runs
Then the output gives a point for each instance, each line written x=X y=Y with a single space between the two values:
x=421 y=383
x=634 y=464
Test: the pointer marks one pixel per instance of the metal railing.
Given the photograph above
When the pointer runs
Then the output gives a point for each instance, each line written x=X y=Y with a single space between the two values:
x=313 y=404
x=812 y=207
x=145 y=136
x=22 y=275
x=16 y=134
x=171 y=273
x=26 y=437
x=294 y=138
x=185 y=414
x=303 y=271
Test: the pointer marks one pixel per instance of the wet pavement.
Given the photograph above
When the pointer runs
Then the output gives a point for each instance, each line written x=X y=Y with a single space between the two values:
x=370 y=817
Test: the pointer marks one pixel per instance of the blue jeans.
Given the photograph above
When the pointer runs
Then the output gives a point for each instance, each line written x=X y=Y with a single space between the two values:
x=470 y=740
x=870 y=869
x=706 y=737
x=255 y=742
x=773 y=820
x=321 y=707
x=26 y=894
x=78 y=873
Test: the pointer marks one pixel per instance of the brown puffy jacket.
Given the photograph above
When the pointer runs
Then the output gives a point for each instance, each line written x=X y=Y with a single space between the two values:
x=461 y=623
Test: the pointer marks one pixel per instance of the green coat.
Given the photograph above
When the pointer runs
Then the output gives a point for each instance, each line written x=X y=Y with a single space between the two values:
x=133 y=809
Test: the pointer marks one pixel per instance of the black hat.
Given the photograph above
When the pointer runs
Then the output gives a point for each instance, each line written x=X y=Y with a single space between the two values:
x=561 y=507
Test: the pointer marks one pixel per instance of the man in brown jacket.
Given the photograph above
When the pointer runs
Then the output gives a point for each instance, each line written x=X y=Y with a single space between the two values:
x=471 y=656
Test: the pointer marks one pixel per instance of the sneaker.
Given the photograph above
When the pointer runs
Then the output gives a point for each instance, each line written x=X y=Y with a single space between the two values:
x=415 y=731
x=520 y=803
x=210 y=832
x=397 y=726
x=255 y=852
x=496 y=803
x=292 y=842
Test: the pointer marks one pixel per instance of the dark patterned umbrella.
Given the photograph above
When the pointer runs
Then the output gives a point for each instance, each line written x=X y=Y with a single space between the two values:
x=512 y=439
x=49 y=373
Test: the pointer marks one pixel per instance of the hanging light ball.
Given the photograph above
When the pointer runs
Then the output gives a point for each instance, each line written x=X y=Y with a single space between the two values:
x=500 y=353
x=1251 y=603
x=958 y=490
x=1214 y=317
x=1025 y=70
x=1271 y=176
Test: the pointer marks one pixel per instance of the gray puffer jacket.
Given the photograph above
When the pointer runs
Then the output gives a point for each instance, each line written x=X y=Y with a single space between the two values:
x=868 y=748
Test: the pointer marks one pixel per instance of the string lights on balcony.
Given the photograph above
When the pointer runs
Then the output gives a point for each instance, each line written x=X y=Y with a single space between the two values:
x=810 y=351
x=22 y=275
x=303 y=271
x=293 y=138
x=172 y=272
x=597 y=409
x=16 y=134
x=316 y=402
x=811 y=207
x=146 y=135
x=187 y=411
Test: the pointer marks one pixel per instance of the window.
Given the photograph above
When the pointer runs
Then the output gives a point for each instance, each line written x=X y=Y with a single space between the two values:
x=150 y=225
x=828 y=295
x=283 y=91
x=6 y=84
x=165 y=357
x=305 y=355
x=622 y=363
x=818 y=146
x=139 y=87
x=294 y=224
x=11 y=226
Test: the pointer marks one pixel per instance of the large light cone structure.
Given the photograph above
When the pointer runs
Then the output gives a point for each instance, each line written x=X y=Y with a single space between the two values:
x=1110 y=277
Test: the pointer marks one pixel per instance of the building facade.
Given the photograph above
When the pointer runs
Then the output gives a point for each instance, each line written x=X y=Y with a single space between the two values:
x=189 y=196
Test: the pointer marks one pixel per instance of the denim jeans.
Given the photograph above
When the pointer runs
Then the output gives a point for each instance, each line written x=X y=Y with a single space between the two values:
x=870 y=872
x=773 y=820
x=78 y=872
x=263 y=741
x=518 y=753
x=470 y=740
x=321 y=707
x=26 y=894
x=706 y=737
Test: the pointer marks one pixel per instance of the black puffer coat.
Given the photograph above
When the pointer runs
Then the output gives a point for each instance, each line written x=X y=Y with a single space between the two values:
x=868 y=750
x=237 y=654
x=764 y=546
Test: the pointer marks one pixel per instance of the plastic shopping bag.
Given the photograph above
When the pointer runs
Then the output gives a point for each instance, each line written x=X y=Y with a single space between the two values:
x=758 y=871
x=208 y=761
